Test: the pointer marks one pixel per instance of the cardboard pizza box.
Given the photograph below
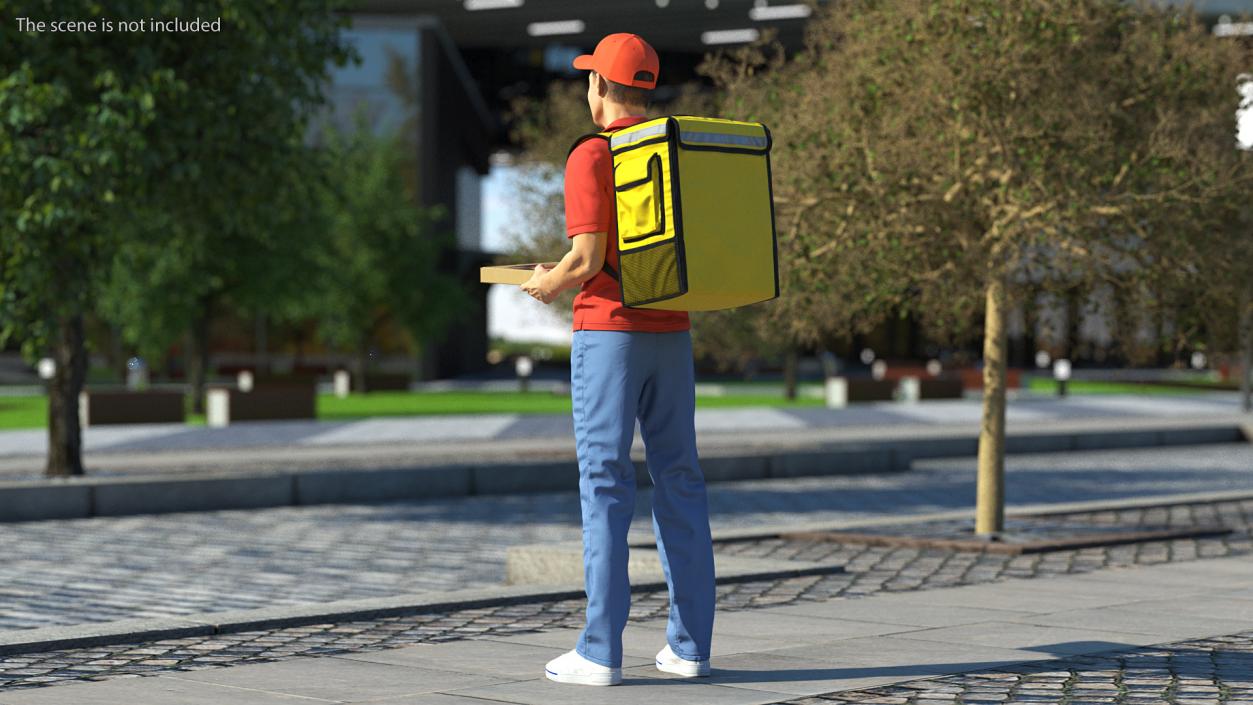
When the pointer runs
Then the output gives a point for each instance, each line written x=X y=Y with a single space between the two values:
x=509 y=273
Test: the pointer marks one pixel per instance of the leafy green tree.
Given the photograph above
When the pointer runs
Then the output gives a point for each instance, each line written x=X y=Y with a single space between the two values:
x=380 y=262
x=940 y=158
x=107 y=132
x=249 y=248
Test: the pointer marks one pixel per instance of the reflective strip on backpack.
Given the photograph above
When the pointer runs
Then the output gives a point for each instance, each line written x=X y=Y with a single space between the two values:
x=619 y=139
x=722 y=138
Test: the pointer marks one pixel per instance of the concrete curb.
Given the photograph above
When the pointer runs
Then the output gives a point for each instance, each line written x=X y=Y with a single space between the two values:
x=1017 y=510
x=24 y=641
x=74 y=498
x=142 y=630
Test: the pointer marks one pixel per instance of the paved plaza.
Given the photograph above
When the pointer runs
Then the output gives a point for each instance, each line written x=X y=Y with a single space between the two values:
x=1161 y=621
x=87 y=570
x=1148 y=623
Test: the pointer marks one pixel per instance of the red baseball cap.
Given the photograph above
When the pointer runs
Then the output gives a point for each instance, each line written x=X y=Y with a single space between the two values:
x=623 y=58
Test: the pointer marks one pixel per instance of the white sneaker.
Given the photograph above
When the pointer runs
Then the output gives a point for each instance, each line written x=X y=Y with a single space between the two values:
x=670 y=662
x=570 y=667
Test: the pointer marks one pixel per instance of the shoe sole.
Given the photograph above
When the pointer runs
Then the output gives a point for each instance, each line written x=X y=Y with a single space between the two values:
x=602 y=679
x=701 y=671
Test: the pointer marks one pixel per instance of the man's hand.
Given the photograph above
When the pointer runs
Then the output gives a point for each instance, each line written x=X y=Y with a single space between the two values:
x=534 y=286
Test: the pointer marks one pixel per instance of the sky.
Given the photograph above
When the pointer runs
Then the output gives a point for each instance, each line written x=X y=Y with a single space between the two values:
x=511 y=314
x=1245 y=129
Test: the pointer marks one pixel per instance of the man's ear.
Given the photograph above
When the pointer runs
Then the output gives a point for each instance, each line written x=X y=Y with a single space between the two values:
x=602 y=86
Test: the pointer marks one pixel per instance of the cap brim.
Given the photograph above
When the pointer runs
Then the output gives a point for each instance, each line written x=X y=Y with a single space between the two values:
x=583 y=62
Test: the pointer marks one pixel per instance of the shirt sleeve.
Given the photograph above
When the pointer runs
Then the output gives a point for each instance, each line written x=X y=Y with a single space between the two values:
x=589 y=199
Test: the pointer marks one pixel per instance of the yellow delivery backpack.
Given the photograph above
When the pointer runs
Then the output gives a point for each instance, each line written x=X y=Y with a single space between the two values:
x=695 y=213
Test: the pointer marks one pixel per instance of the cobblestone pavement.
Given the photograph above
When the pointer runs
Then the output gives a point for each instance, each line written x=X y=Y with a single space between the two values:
x=86 y=570
x=869 y=571
x=1201 y=671
x=62 y=572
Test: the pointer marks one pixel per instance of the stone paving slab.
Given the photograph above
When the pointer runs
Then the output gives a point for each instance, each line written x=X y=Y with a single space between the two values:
x=342 y=680
x=635 y=690
x=800 y=628
x=1054 y=640
x=893 y=612
x=1161 y=620
x=158 y=690
x=511 y=660
x=643 y=640
x=864 y=663
x=563 y=563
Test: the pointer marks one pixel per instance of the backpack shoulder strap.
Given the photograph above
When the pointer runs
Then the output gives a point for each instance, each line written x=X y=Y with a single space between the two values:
x=589 y=136
x=592 y=136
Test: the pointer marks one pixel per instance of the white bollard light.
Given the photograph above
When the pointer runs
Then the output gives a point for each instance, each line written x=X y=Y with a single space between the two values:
x=84 y=410
x=837 y=392
x=523 y=367
x=136 y=373
x=342 y=383
x=910 y=390
x=1198 y=360
x=245 y=380
x=879 y=369
x=1061 y=373
x=218 y=408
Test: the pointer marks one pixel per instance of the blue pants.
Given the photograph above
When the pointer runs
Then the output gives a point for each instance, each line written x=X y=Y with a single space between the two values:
x=616 y=377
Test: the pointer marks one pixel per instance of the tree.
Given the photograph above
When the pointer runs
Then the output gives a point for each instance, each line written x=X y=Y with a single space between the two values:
x=380 y=261
x=101 y=128
x=939 y=158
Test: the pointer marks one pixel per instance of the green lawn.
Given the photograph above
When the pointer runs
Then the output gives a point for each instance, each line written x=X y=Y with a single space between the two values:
x=23 y=412
x=1087 y=387
x=416 y=404
x=32 y=412
x=421 y=403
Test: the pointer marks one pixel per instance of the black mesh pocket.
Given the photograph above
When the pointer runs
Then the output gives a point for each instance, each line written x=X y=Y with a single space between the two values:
x=650 y=274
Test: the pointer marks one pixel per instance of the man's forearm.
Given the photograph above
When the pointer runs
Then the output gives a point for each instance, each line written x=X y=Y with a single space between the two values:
x=571 y=271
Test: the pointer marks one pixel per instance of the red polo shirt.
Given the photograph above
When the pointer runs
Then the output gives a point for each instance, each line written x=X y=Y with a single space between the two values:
x=590 y=209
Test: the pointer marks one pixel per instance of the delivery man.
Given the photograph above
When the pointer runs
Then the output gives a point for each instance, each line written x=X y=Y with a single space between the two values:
x=627 y=363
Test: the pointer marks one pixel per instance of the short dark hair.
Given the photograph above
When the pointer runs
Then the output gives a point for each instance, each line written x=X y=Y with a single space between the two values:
x=627 y=95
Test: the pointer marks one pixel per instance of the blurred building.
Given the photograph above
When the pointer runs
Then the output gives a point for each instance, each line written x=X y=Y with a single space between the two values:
x=449 y=69
x=412 y=78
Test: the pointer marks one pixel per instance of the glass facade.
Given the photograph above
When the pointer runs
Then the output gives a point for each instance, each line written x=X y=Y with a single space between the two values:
x=384 y=89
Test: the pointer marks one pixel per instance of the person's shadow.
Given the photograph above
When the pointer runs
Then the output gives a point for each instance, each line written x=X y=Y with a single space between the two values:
x=900 y=673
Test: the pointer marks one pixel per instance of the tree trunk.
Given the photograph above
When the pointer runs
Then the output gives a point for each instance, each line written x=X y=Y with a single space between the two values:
x=1246 y=355
x=990 y=508
x=65 y=436
x=198 y=358
x=262 y=345
x=1074 y=317
x=363 y=364
x=789 y=374
x=117 y=355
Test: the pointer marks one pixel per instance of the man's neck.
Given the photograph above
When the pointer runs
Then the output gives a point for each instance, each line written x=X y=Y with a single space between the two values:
x=613 y=112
